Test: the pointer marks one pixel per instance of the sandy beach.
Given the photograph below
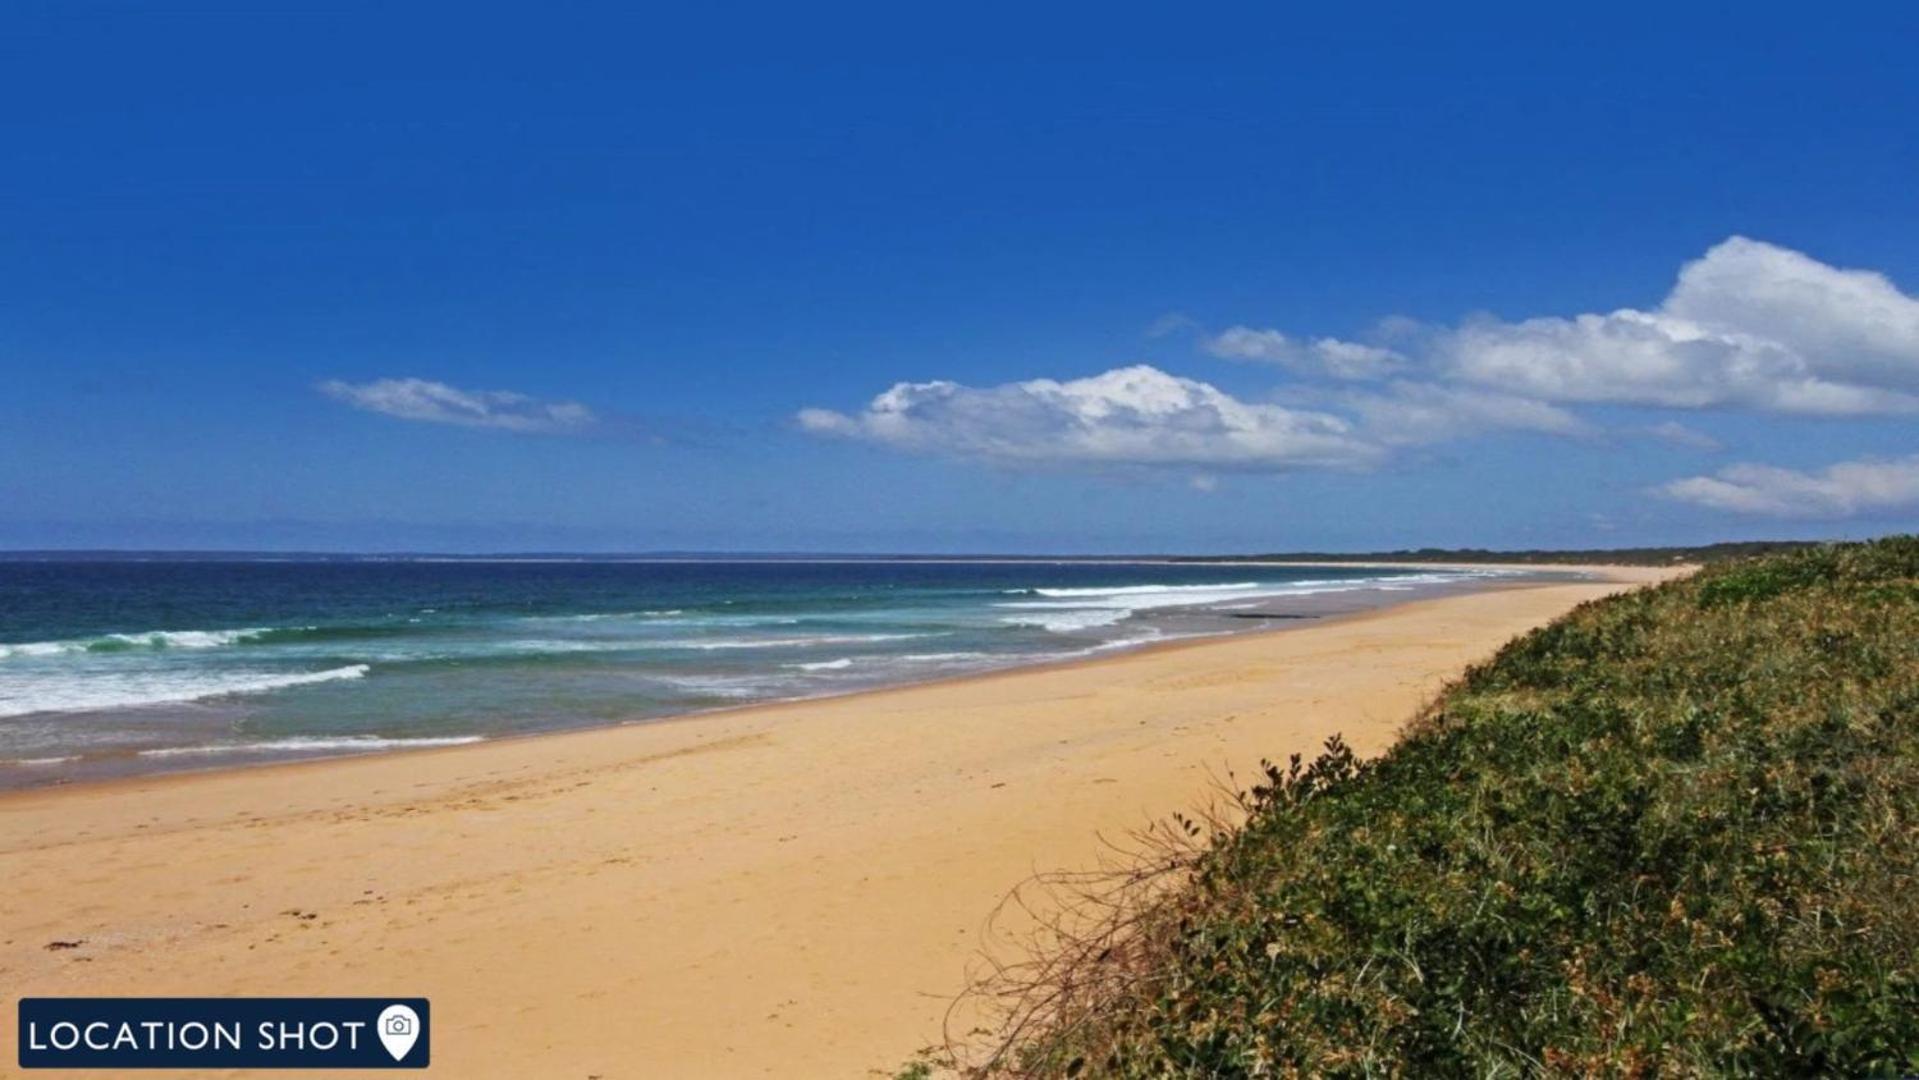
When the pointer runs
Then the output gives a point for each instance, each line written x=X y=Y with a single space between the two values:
x=785 y=890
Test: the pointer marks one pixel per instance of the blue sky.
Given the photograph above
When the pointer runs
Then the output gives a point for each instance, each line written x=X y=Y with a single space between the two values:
x=476 y=279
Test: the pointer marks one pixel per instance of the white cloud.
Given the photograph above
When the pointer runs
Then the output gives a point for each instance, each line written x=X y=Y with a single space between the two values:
x=1748 y=325
x=1129 y=416
x=1843 y=490
x=1849 y=325
x=1410 y=414
x=1678 y=434
x=1172 y=322
x=437 y=403
x=1328 y=356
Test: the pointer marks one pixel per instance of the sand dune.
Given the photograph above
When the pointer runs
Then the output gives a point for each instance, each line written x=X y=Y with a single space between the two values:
x=792 y=890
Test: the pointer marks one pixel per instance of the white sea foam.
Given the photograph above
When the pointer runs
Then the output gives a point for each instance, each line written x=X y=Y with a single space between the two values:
x=313 y=744
x=1065 y=619
x=187 y=639
x=1133 y=590
x=726 y=686
x=41 y=648
x=147 y=639
x=667 y=617
x=555 y=645
x=41 y=762
x=119 y=690
x=1075 y=610
x=841 y=664
x=606 y=616
x=780 y=642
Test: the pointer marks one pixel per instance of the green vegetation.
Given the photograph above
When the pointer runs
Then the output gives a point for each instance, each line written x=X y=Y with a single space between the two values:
x=1674 y=833
x=1644 y=556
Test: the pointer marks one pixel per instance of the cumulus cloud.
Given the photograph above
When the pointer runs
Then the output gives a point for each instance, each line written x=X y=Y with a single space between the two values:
x=1748 y=325
x=1844 y=490
x=1129 y=416
x=437 y=403
x=1327 y=356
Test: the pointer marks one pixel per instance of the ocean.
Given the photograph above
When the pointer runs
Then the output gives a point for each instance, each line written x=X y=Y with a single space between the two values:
x=113 y=666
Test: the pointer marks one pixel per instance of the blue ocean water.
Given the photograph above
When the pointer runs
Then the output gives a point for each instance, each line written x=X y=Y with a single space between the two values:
x=127 y=665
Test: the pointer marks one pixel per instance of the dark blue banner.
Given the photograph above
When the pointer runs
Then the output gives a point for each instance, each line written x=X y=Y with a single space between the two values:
x=224 y=1033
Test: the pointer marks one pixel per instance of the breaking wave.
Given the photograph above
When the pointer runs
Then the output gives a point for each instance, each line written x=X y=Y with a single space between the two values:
x=85 y=693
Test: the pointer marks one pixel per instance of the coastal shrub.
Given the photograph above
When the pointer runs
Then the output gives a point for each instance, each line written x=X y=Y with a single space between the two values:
x=1675 y=832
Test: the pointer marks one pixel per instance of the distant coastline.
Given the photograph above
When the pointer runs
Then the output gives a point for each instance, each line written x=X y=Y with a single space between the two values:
x=1633 y=556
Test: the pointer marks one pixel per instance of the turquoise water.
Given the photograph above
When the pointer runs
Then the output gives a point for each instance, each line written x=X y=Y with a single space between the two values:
x=126 y=665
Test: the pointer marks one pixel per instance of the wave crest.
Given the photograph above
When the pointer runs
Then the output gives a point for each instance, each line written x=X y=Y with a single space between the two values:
x=314 y=744
x=145 y=639
x=89 y=693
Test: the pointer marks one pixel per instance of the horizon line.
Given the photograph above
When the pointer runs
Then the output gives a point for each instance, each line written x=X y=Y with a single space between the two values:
x=716 y=555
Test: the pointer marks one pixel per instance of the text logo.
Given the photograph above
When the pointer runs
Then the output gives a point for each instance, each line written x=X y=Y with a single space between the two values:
x=224 y=1033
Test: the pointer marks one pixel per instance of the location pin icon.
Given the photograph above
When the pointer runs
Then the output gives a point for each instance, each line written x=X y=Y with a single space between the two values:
x=399 y=1029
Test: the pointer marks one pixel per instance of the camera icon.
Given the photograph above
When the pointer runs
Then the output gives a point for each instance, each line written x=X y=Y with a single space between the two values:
x=399 y=1027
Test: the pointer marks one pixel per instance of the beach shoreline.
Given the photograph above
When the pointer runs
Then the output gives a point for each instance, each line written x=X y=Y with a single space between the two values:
x=791 y=888
x=87 y=764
